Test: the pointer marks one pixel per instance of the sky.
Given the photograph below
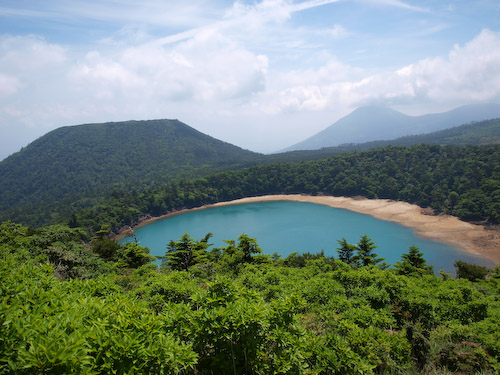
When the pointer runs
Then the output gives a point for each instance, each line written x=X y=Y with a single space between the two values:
x=261 y=74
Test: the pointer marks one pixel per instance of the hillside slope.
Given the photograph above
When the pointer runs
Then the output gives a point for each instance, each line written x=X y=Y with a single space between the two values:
x=473 y=134
x=87 y=160
x=463 y=181
x=367 y=124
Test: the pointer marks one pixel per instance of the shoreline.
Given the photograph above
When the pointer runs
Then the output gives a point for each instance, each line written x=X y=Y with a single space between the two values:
x=473 y=239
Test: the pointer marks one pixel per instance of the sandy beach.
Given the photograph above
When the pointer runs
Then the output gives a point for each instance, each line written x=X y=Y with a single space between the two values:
x=474 y=239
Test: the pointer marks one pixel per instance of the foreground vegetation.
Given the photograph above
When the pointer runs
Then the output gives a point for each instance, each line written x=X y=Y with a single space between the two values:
x=73 y=304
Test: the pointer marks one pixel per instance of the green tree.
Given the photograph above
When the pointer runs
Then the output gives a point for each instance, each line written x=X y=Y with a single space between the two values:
x=235 y=255
x=471 y=272
x=103 y=246
x=248 y=246
x=365 y=255
x=345 y=251
x=187 y=252
x=413 y=262
x=135 y=256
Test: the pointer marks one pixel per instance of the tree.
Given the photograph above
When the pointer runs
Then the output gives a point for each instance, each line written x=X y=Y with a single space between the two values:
x=135 y=256
x=345 y=251
x=103 y=246
x=187 y=252
x=235 y=255
x=248 y=246
x=413 y=263
x=471 y=272
x=365 y=255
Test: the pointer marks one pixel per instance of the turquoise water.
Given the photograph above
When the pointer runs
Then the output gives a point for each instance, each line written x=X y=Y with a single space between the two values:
x=286 y=227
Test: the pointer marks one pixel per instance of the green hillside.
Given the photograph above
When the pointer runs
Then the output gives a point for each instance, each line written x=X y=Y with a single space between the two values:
x=371 y=123
x=460 y=180
x=77 y=164
x=79 y=167
x=476 y=133
x=473 y=134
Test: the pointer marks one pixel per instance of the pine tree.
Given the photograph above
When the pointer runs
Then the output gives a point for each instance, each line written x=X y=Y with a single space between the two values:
x=413 y=262
x=345 y=251
x=365 y=255
x=248 y=246
x=186 y=252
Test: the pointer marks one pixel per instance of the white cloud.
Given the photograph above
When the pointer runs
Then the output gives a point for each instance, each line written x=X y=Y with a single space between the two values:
x=8 y=85
x=469 y=73
x=338 y=32
x=28 y=54
x=104 y=77
x=215 y=69
x=207 y=67
x=153 y=12
x=399 y=4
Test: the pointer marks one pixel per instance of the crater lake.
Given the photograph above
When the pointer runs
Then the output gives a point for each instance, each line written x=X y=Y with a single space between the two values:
x=284 y=227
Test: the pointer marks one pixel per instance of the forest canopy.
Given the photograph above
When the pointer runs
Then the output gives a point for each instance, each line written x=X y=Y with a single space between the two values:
x=461 y=181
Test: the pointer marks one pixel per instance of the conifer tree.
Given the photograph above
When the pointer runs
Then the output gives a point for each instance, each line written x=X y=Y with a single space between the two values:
x=345 y=251
x=186 y=252
x=413 y=262
x=248 y=246
x=365 y=255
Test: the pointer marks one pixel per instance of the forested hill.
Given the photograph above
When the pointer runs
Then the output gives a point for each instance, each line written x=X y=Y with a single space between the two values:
x=82 y=166
x=89 y=160
x=462 y=181
x=473 y=134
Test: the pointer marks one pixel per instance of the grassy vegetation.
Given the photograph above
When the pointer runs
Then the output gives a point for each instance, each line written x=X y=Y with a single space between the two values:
x=72 y=300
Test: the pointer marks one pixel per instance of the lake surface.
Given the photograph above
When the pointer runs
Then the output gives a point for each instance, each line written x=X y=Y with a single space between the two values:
x=287 y=227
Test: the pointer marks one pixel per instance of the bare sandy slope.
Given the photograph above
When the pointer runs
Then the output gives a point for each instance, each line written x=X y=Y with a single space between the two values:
x=474 y=239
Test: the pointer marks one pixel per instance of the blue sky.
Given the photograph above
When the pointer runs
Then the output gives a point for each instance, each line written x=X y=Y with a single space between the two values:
x=260 y=74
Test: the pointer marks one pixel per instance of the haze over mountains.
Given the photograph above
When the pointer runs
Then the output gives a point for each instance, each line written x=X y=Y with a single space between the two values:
x=379 y=123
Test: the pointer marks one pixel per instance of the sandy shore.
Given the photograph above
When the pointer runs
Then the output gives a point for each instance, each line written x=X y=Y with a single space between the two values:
x=474 y=239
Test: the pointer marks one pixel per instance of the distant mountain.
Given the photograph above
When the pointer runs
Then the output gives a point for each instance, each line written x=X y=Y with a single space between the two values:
x=376 y=123
x=74 y=162
x=472 y=134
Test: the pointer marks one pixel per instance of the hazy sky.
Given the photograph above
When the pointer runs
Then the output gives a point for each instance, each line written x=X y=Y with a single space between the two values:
x=260 y=74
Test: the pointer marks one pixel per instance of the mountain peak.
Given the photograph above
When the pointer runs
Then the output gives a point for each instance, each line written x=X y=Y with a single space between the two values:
x=372 y=123
x=83 y=160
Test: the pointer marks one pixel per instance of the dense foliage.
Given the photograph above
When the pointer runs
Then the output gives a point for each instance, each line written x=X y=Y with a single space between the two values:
x=462 y=181
x=234 y=311
x=72 y=300
x=76 y=165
